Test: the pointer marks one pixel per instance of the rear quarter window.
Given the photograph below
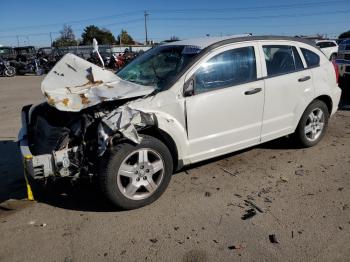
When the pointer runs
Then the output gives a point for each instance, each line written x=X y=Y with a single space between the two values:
x=312 y=59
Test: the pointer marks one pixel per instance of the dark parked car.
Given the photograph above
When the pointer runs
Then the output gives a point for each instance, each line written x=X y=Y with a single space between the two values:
x=7 y=53
x=24 y=53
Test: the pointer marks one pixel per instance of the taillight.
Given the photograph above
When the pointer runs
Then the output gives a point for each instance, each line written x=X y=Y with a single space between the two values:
x=336 y=69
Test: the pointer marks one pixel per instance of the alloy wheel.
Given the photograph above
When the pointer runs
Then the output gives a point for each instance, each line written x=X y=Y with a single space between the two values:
x=140 y=174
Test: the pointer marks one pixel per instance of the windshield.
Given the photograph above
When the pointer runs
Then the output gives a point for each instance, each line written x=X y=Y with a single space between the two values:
x=157 y=66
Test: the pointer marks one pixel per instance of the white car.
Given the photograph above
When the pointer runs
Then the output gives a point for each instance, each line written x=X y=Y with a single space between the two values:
x=175 y=105
x=329 y=48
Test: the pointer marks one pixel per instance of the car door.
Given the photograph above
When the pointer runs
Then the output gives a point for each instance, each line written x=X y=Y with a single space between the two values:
x=225 y=111
x=288 y=85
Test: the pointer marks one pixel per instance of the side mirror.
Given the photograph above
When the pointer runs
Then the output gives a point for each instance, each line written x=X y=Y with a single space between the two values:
x=189 y=87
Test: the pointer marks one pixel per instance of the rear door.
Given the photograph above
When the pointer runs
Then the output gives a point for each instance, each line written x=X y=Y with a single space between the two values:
x=288 y=83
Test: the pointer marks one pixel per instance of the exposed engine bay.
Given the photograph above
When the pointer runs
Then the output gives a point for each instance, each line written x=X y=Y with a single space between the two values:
x=68 y=144
x=66 y=135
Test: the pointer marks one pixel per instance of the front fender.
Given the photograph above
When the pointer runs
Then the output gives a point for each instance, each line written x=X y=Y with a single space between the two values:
x=176 y=130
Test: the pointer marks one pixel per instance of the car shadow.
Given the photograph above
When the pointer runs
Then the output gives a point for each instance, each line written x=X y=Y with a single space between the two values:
x=81 y=195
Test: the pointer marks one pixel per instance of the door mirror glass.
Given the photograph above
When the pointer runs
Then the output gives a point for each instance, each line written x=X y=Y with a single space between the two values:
x=189 y=87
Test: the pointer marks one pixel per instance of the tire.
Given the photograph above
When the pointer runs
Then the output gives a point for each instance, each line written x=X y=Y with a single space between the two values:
x=309 y=133
x=10 y=71
x=124 y=169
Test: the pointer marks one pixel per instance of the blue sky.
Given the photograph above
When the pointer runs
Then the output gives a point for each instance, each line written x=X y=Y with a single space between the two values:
x=33 y=21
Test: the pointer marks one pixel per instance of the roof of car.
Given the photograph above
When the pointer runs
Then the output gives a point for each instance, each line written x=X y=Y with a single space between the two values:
x=323 y=41
x=205 y=42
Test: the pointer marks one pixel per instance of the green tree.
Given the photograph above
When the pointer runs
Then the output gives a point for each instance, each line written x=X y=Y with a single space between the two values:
x=126 y=39
x=344 y=35
x=103 y=36
x=66 y=38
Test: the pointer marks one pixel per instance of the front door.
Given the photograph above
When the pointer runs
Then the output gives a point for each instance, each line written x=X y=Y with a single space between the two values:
x=225 y=112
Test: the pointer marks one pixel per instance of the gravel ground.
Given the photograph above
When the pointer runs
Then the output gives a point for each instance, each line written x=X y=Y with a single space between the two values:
x=304 y=196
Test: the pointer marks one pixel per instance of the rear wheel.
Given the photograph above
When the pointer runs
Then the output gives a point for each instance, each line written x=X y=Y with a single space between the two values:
x=313 y=124
x=133 y=176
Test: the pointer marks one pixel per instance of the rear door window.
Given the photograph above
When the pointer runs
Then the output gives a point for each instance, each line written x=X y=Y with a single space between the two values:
x=312 y=59
x=281 y=59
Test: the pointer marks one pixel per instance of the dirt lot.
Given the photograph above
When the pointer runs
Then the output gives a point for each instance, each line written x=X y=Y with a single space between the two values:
x=304 y=195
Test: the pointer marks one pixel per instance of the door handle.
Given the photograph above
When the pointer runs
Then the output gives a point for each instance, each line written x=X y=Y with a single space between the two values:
x=253 y=91
x=303 y=79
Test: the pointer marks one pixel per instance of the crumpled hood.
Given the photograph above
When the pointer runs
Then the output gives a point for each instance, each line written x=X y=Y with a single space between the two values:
x=74 y=84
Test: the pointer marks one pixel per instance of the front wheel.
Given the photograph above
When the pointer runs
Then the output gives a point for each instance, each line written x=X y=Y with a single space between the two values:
x=132 y=176
x=313 y=124
x=10 y=71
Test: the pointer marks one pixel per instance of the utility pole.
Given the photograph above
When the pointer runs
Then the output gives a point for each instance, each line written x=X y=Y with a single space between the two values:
x=146 y=14
x=51 y=38
x=17 y=40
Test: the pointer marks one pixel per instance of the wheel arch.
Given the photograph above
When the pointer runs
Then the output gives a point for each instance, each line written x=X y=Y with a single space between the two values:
x=324 y=98
x=327 y=100
x=165 y=138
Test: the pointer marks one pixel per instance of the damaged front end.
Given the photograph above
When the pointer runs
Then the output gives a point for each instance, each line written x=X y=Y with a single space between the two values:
x=66 y=136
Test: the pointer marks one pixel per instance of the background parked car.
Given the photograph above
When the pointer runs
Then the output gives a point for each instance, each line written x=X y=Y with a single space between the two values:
x=7 y=53
x=343 y=59
x=25 y=53
x=329 y=48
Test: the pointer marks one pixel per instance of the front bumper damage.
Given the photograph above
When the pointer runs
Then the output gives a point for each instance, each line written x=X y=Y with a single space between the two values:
x=75 y=86
x=123 y=123
x=42 y=166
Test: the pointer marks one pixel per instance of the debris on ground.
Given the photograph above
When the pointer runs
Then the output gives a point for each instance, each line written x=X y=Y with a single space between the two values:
x=249 y=214
x=267 y=200
x=273 y=239
x=284 y=178
x=207 y=194
x=299 y=172
x=229 y=172
x=252 y=204
x=153 y=240
x=236 y=247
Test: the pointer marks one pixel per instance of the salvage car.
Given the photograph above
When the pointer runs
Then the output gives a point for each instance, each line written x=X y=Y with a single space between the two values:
x=177 y=104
